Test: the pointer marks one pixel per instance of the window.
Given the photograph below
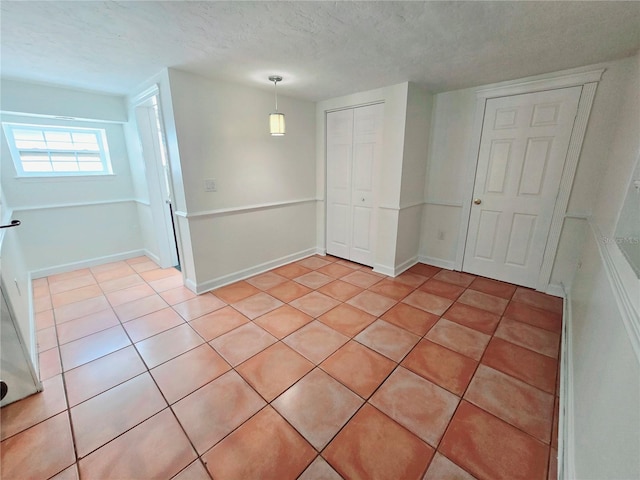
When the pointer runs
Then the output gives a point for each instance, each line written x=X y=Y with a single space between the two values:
x=43 y=150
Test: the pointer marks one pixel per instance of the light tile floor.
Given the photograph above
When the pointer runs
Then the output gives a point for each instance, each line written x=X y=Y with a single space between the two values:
x=318 y=369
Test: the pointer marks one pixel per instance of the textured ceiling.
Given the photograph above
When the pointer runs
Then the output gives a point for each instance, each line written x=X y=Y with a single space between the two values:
x=323 y=49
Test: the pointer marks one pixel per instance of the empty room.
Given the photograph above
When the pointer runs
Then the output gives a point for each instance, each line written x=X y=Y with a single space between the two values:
x=320 y=240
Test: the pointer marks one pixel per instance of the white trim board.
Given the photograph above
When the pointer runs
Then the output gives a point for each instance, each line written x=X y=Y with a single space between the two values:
x=624 y=284
x=243 y=209
x=209 y=285
x=566 y=429
x=566 y=182
x=543 y=82
x=588 y=81
x=398 y=269
x=29 y=208
x=442 y=203
x=437 y=262
x=92 y=262
x=401 y=207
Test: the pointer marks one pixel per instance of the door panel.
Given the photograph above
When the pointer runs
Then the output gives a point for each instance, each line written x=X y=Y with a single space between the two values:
x=499 y=157
x=536 y=159
x=361 y=245
x=339 y=151
x=523 y=148
x=522 y=228
x=486 y=237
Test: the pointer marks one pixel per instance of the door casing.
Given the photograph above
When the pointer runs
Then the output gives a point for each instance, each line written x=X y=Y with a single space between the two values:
x=589 y=81
x=161 y=210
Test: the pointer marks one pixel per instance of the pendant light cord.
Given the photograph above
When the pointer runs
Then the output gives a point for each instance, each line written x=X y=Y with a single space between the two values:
x=275 y=79
x=275 y=88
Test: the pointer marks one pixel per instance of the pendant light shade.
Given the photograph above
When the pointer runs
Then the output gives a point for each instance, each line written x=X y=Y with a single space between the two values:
x=276 y=119
x=276 y=124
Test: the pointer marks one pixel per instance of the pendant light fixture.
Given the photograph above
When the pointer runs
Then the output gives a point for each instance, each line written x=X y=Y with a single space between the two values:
x=276 y=119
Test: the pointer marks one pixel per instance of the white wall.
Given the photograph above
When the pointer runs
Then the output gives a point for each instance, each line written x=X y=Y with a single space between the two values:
x=68 y=222
x=42 y=99
x=448 y=165
x=263 y=211
x=414 y=169
x=605 y=347
x=451 y=131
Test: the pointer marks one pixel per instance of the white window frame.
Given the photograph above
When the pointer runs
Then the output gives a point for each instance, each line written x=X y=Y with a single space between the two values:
x=100 y=136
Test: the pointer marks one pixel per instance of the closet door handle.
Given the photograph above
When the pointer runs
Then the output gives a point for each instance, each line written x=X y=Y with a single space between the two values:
x=14 y=223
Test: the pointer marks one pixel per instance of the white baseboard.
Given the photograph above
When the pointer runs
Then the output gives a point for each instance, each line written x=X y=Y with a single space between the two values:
x=555 y=289
x=384 y=270
x=151 y=256
x=566 y=429
x=321 y=251
x=437 y=262
x=209 y=285
x=92 y=262
x=397 y=270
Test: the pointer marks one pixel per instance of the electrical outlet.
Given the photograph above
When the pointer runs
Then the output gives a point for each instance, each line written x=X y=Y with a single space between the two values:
x=210 y=185
x=440 y=234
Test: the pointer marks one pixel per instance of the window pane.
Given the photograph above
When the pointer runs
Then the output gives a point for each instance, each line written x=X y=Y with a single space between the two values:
x=84 y=138
x=58 y=150
x=65 y=167
x=88 y=157
x=62 y=157
x=34 y=157
x=31 y=144
x=61 y=146
x=57 y=136
x=37 y=167
x=30 y=135
x=90 y=167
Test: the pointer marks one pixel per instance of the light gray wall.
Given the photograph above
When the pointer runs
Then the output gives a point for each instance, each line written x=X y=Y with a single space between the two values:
x=606 y=352
x=263 y=212
x=64 y=220
x=414 y=169
x=67 y=220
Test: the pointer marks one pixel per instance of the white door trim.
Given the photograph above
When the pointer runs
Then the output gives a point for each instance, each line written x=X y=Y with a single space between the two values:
x=589 y=81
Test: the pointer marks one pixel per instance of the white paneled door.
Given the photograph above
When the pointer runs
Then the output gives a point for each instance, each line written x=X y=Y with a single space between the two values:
x=522 y=153
x=354 y=145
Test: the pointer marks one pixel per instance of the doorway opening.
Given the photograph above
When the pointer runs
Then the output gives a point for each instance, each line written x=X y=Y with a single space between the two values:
x=152 y=141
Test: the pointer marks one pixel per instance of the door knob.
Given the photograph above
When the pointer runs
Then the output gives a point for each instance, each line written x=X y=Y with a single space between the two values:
x=477 y=201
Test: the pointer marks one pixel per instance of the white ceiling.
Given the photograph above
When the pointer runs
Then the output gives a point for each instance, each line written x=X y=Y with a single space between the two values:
x=322 y=49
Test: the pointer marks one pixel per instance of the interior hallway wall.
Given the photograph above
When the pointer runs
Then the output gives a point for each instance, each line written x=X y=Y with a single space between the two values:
x=263 y=211
x=604 y=327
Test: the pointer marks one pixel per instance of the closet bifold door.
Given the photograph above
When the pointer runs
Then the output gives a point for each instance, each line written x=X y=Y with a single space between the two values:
x=354 y=144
